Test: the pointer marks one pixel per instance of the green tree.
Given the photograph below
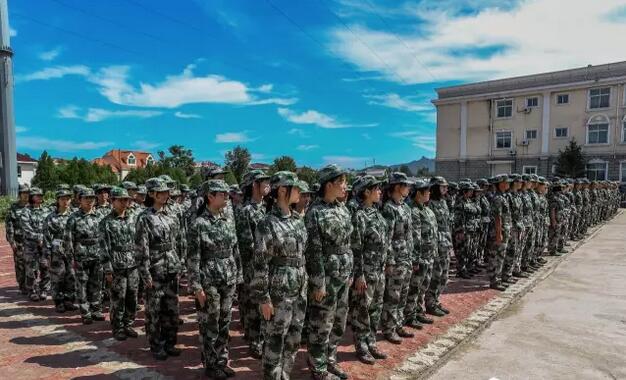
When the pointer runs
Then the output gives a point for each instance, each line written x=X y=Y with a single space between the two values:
x=237 y=161
x=571 y=162
x=406 y=170
x=424 y=172
x=283 y=163
x=307 y=174
x=47 y=176
x=179 y=158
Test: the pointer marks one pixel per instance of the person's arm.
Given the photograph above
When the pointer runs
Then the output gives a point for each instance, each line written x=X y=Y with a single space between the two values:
x=263 y=253
x=142 y=249
x=105 y=247
x=10 y=227
x=390 y=217
x=315 y=254
x=416 y=230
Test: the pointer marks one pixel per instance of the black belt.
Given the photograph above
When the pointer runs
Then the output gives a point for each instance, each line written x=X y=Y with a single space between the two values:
x=88 y=242
x=162 y=247
x=124 y=248
x=295 y=262
x=222 y=254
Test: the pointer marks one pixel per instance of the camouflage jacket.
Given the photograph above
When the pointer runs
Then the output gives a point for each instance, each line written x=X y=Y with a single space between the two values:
x=328 y=252
x=13 y=223
x=179 y=228
x=401 y=247
x=279 y=267
x=54 y=228
x=528 y=208
x=485 y=210
x=353 y=205
x=442 y=213
x=82 y=236
x=103 y=210
x=247 y=218
x=424 y=216
x=117 y=240
x=213 y=258
x=500 y=207
x=555 y=204
x=31 y=220
x=370 y=241
x=155 y=240
x=517 y=210
x=467 y=216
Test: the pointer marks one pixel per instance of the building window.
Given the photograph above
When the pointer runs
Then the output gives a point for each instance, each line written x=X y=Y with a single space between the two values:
x=553 y=169
x=560 y=133
x=598 y=130
x=505 y=108
x=599 y=97
x=624 y=130
x=532 y=102
x=596 y=171
x=531 y=134
x=19 y=171
x=149 y=160
x=529 y=169
x=622 y=171
x=131 y=159
x=562 y=99
x=503 y=139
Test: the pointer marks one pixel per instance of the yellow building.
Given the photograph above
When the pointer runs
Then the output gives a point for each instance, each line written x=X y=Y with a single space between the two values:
x=520 y=124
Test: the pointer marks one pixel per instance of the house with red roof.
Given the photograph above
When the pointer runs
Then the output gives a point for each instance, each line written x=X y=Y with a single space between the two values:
x=122 y=162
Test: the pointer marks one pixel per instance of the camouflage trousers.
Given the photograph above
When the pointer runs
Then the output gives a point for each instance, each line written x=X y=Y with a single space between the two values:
x=439 y=278
x=482 y=244
x=526 y=249
x=541 y=239
x=554 y=236
x=36 y=270
x=89 y=276
x=513 y=251
x=249 y=310
x=564 y=234
x=281 y=334
x=465 y=250
x=162 y=312
x=395 y=297
x=124 y=289
x=420 y=280
x=62 y=278
x=327 y=323
x=366 y=309
x=497 y=254
x=20 y=268
x=214 y=324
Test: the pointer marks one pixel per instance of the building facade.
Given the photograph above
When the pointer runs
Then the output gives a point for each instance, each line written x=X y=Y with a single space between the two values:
x=520 y=124
x=26 y=169
x=122 y=162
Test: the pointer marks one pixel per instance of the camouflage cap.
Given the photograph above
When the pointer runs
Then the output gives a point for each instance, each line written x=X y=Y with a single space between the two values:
x=330 y=172
x=465 y=180
x=175 y=193
x=35 y=191
x=499 y=178
x=398 y=178
x=316 y=187
x=364 y=183
x=169 y=182
x=482 y=182
x=215 y=171
x=234 y=188
x=526 y=177
x=453 y=186
x=421 y=184
x=184 y=188
x=119 y=192
x=464 y=186
x=304 y=187
x=98 y=187
x=63 y=186
x=438 y=180
x=78 y=188
x=515 y=178
x=252 y=176
x=87 y=193
x=283 y=178
x=141 y=189
x=63 y=193
x=129 y=185
x=23 y=188
x=215 y=186
x=534 y=178
x=156 y=184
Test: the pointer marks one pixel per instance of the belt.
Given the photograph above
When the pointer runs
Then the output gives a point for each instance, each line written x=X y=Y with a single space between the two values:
x=162 y=247
x=88 y=242
x=337 y=250
x=295 y=262
x=124 y=248
x=221 y=254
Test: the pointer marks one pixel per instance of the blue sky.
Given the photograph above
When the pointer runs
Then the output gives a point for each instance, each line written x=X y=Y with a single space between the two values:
x=345 y=81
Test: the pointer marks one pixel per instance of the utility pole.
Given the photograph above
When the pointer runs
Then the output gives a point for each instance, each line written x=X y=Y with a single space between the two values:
x=8 y=153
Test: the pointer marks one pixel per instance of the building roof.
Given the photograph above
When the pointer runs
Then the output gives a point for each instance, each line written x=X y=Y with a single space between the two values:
x=25 y=158
x=581 y=74
x=206 y=164
x=117 y=159
x=259 y=165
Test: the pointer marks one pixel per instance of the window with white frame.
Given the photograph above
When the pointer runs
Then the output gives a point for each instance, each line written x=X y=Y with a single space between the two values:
x=149 y=160
x=599 y=97
x=624 y=130
x=560 y=133
x=529 y=169
x=531 y=134
x=553 y=169
x=598 y=130
x=131 y=159
x=504 y=108
x=532 y=102
x=562 y=99
x=597 y=170
x=19 y=171
x=503 y=139
x=622 y=171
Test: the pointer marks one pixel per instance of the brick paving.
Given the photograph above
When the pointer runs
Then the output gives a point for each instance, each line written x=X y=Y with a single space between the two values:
x=37 y=343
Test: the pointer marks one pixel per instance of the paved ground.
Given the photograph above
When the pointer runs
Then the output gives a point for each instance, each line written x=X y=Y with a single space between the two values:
x=571 y=326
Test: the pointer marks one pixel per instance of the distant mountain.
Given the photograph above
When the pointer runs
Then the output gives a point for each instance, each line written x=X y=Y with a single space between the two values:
x=414 y=166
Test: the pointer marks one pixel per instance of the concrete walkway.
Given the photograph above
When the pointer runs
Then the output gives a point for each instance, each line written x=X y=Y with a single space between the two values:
x=571 y=326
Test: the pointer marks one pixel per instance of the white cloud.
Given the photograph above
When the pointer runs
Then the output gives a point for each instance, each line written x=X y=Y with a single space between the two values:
x=418 y=139
x=393 y=100
x=233 y=137
x=20 y=129
x=183 y=115
x=145 y=145
x=298 y=132
x=258 y=156
x=306 y=148
x=50 y=55
x=54 y=72
x=531 y=37
x=345 y=161
x=317 y=118
x=38 y=143
x=12 y=32
x=92 y=115
x=177 y=90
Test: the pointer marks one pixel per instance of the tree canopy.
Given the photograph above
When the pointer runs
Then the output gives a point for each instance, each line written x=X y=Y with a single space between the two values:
x=571 y=162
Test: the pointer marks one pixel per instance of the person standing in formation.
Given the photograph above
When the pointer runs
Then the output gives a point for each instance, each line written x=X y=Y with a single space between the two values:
x=15 y=235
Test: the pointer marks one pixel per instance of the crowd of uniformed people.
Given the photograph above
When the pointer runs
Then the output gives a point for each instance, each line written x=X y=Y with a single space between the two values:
x=300 y=263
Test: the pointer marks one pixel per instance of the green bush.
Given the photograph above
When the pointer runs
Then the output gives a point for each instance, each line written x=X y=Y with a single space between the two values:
x=5 y=205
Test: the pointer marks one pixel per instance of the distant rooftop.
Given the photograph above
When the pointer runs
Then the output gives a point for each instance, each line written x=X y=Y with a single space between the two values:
x=609 y=70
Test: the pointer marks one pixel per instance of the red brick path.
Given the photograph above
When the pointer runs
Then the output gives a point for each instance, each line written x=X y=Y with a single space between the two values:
x=31 y=349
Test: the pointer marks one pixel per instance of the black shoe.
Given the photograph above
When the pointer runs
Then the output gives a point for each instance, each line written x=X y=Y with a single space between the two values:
x=541 y=260
x=446 y=311
x=87 y=320
x=335 y=370
x=34 y=297
x=376 y=353
x=43 y=296
x=98 y=316
x=119 y=335
x=160 y=355
x=497 y=286
x=255 y=351
x=173 y=351
x=228 y=371
x=414 y=325
x=181 y=322
x=59 y=308
x=404 y=334
x=130 y=332
x=321 y=376
x=508 y=281
x=422 y=318
x=520 y=275
x=365 y=357
x=393 y=338
x=435 y=311
x=69 y=306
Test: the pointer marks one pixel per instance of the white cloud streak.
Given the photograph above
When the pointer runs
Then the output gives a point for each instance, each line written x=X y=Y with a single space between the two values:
x=233 y=137
x=392 y=100
x=40 y=143
x=319 y=119
x=345 y=161
x=93 y=115
x=54 y=72
x=50 y=55
x=418 y=139
x=183 y=115
x=306 y=148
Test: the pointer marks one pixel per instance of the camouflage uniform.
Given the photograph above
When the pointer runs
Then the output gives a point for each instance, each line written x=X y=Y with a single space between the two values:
x=214 y=266
x=501 y=209
x=82 y=245
x=528 y=211
x=329 y=263
x=159 y=263
x=15 y=237
x=61 y=266
x=117 y=233
x=556 y=209
x=517 y=235
x=36 y=262
x=466 y=231
x=280 y=278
